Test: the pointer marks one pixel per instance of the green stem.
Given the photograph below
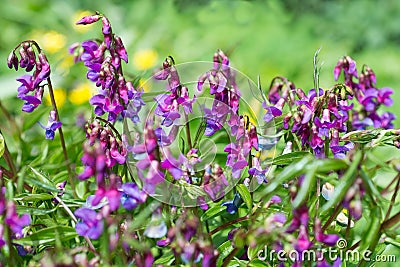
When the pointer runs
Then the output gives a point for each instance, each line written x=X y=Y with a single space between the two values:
x=68 y=163
x=392 y=201
x=391 y=222
x=219 y=228
x=189 y=139
x=332 y=217
x=10 y=162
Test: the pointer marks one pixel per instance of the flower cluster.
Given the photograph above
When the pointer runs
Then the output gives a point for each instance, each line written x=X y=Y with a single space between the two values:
x=188 y=243
x=223 y=86
x=103 y=60
x=32 y=86
x=112 y=146
x=168 y=104
x=31 y=89
x=315 y=119
x=367 y=94
x=102 y=151
x=239 y=150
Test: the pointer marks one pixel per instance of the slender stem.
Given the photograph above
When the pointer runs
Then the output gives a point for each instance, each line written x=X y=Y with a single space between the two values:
x=71 y=214
x=10 y=118
x=6 y=173
x=332 y=217
x=318 y=195
x=228 y=259
x=54 y=104
x=107 y=123
x=392 y=201
x=316 y=71
x=10 y=162
x=384 y=191
x=189 y=139
x=391 y=222
x=216 y=230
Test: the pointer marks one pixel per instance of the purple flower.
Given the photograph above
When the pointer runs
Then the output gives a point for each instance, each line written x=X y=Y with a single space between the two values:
x=31 y=88
x=233 y=205
x=90 y=224
x=15 y=222
x=214 y=182
x=258 y=172
x=132 y=196
x=273 y=111
x=144 y=261
x=117 y=97
x=384 y=96
x=88 y=19
x=94 y=160
x=168 y=105
x=2 y=241
x=52 y=125
x=111 y=194
x=328 y=239
x=2 y=196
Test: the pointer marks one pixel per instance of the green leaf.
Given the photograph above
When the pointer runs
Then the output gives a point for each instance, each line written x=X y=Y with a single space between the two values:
x=212 y=212
x=307 y=185
x=31 y=119
x=47 y=236
x=327 y=165
x=165 y=259
x=35 y=211
x=345 y=183
x=291 y=171
x=371 y=236
x=34 y=197
x=41 y=177
x=289 y=158
x=245 y=194
x=224 y=249
x=2 y=145
x=41 y=185
x=257 y=263
x=370 y=185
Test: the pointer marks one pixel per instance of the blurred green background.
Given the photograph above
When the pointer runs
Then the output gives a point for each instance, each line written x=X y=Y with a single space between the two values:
x=265 y=37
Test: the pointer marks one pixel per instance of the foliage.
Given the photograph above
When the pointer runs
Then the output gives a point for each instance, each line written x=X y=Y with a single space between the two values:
x=165 y=171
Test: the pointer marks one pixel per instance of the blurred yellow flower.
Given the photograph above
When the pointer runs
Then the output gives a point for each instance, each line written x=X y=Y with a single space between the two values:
x=59 y=95
x=145 y=85
x=81 y=94
x=67 y=61
x=144 y=59
x=50 y=41
x=77 y=16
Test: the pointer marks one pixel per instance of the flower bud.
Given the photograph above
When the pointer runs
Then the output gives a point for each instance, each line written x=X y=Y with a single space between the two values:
x=88 y=20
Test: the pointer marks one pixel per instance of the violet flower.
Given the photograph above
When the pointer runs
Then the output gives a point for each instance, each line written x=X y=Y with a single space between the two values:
x=2 y=241
x=15 y=222
x=221 y=80
x=168 y=105
x=117 y=97
x=31 y=89
x=110 y=193
x=328 y=239
x=232 y=206
x=90 y=224
x=214 y=182
x=132 y=196
x=52 y=125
